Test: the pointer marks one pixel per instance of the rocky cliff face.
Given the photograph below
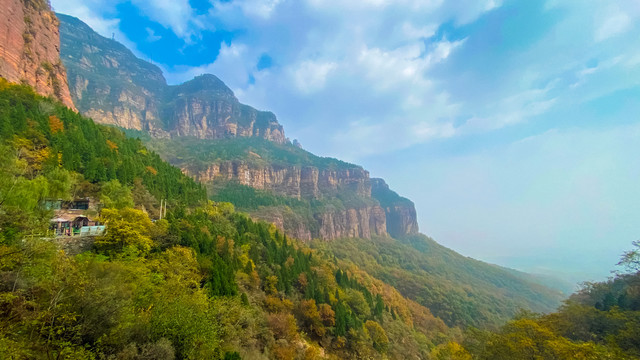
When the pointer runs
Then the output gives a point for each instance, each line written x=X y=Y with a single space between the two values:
x=30 y=48
x=108 y=83
x=300 y=182
x=361 y=219
x=400 y=212
x=206 y=108
x=112 y=86
x=328 y=224
x=355 y=222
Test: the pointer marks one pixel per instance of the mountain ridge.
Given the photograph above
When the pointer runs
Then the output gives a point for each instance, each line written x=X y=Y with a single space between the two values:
x=111 y=85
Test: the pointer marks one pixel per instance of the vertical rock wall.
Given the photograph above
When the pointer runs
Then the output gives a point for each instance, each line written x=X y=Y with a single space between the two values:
x=395 y=215
x=30 y=48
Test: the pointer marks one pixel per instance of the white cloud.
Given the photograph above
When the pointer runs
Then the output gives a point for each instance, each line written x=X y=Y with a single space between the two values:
x=176 y=15
x=260 y=8
x=311 y=76
x=511 y=110
x=412 y=32
x=233 y=66
x=613 y=24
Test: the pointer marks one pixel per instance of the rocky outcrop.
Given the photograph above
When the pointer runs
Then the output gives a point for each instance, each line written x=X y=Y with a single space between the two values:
x=401 y=220
x=361 y=222
x=355 y=180
x=400 y=212
x=328 y=224
x=363 y=219
x=112 y=86
x=206 y=108
x=30 y=48
x=299 y=182
x=108 y=83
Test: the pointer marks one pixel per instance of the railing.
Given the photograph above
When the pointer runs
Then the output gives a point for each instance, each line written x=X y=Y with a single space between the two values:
x=82 y=232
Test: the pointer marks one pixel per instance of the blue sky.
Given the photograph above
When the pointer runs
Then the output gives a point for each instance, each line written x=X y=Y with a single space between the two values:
x=513 y=125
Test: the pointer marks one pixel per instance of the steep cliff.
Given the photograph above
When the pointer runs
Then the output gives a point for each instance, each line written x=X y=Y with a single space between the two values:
x=299 y=182
x=401 y=212
x=112 y=86
x=30 y=48
x=108 y=83
x=338 y=200
x=206 y=108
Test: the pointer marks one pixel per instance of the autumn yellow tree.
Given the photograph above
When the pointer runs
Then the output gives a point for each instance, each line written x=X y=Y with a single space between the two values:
x=311 y=317
x=126 y=228
x=378 y=336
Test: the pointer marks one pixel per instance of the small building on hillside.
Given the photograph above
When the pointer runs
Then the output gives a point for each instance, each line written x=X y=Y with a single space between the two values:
x=74 y=218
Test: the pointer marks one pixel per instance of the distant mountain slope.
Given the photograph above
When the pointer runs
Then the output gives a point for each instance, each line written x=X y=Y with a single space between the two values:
x=459 y=290
x=308 y=196
x=114 y=87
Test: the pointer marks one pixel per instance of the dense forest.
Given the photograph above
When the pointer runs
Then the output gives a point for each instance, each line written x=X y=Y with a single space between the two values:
x=460 y=291
x=205 y=282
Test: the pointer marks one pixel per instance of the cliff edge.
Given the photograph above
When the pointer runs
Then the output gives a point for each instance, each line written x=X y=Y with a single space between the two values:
x=30 y=48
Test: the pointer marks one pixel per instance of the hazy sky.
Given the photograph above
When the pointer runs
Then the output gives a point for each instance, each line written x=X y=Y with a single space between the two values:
x=513 y=125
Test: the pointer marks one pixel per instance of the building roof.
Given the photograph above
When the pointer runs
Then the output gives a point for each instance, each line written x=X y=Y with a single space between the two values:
x=68 y=216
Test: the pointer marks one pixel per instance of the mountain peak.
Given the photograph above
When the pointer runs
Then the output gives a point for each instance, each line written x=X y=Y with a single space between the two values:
x=111 y=85
x=206 y=83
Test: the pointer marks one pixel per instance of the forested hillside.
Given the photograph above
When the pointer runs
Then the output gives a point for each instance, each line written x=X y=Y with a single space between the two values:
x=601 y=321
x=49 y=151
x=205 y=282
x=459 y=290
